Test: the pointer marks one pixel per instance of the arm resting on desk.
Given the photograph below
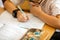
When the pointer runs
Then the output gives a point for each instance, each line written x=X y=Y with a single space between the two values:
x=50 y=20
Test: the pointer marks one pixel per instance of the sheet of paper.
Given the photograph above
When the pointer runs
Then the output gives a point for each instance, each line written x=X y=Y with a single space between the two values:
x=32 y=23
x=12 y=32
x=11 y=29
x=1 y=24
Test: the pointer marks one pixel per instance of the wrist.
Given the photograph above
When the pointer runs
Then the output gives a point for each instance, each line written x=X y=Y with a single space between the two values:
x=15 y=12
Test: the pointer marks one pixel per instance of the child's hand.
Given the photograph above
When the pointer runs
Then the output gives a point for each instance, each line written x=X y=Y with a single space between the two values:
x=21 y=17
x=35 y=10
x=12 y=8
x=34 y=4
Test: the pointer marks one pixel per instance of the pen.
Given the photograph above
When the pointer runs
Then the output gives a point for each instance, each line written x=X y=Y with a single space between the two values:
x=22 y=11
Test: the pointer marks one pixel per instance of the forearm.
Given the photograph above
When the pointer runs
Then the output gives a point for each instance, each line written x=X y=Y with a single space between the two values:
x=9 y=6
x=50 y=20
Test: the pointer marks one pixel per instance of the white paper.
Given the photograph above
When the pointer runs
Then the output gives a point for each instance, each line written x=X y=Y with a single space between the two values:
x=12 y=32
x=8 y=30
x=11 y=29
x=32 y=23
x=1 y=25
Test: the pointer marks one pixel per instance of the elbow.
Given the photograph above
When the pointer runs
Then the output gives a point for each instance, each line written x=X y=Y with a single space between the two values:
x=58 y=27
x=55 y=24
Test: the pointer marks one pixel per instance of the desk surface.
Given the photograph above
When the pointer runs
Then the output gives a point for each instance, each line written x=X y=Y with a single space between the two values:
x=46 y=28
x=50 y=31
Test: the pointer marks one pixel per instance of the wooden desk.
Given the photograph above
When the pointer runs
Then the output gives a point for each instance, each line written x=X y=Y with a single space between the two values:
x=46 y=28
x=50 y=31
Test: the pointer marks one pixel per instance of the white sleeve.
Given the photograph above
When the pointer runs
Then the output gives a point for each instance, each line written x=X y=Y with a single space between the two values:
x=55 y=7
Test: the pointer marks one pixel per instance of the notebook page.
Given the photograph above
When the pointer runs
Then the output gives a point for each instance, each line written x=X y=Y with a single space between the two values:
x=32 y=23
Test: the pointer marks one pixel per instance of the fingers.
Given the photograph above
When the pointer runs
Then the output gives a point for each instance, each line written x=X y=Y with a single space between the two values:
x=32 y=4
x=21 y=17
x=27 y=16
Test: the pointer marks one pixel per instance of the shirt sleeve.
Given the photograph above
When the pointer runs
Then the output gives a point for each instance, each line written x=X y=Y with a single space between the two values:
x=55 y=7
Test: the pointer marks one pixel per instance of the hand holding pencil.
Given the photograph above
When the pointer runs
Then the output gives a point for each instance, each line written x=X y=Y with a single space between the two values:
x=10 y=7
